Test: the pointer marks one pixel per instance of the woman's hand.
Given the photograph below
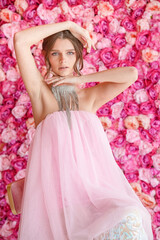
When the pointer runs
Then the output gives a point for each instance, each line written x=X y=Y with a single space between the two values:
x=57 y=80
x=82 y=34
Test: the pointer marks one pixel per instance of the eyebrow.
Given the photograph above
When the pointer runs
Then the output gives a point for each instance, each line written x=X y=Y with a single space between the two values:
x=58 y=50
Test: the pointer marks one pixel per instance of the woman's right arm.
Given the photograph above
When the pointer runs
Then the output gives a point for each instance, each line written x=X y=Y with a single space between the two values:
x=23 y=40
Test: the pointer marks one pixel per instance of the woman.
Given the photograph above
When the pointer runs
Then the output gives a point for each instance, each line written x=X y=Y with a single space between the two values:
x=74 y=190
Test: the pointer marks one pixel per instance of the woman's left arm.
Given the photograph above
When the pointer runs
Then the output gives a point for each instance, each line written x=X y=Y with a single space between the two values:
x=115 y=75
x=112 y=82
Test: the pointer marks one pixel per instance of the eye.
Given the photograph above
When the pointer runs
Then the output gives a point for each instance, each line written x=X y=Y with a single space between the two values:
x=54 y=53
x=71 y=52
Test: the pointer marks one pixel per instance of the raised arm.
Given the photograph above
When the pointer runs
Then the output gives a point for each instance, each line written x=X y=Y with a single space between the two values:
x=112 y=82
x=23 y=40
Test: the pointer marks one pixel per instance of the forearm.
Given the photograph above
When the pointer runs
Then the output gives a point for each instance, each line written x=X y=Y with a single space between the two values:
x=33 y=35
x=117 y=75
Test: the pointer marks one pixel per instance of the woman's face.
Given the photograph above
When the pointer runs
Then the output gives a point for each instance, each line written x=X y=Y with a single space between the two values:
x=62 y=54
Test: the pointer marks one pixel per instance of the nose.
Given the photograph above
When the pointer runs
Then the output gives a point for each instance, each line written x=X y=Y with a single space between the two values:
x=62 y=58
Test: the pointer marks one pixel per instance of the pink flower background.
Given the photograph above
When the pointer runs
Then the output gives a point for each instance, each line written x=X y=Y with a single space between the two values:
x=125 y=33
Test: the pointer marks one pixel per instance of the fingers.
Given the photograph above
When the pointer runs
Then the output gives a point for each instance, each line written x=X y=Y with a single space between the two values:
x=54 y=79
x=88 y=44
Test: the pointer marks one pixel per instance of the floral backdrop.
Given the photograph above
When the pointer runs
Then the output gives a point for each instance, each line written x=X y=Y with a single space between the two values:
x=125 y=33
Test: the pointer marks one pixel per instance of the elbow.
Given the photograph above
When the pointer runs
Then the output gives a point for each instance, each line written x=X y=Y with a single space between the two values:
x=133 y=73
x=16 y=38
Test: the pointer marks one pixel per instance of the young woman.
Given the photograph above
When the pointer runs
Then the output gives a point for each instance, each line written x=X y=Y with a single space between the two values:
x=74 y=189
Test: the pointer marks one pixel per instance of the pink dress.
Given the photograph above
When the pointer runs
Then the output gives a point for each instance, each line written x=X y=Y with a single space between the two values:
x=74 y=189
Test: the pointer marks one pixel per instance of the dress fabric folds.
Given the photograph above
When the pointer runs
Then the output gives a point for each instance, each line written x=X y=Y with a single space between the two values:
x=74 y=189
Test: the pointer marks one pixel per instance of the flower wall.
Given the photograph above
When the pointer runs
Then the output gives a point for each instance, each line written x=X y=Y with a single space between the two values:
x=125 y=33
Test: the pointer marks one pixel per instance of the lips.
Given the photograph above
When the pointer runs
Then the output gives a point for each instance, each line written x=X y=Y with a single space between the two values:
x=63 y=67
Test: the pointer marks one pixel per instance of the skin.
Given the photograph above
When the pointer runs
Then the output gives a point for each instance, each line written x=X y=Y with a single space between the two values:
x=61 y=55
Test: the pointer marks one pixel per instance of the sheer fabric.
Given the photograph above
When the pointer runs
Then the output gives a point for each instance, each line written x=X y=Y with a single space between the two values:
x=74 y=189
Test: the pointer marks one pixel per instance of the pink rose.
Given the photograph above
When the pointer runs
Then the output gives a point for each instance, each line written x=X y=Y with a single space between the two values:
x=142 y=25
x=132 y=176
x=153 y=94
x=107 y=55
x=138 y=4
x=8 y=16
x=146 y=161
x=114 y=25
x=48 y=15
x=154 y=75
x=19 y=164
x=130 y=165
x=146 y=188
x=147 y=107
x=143 y=39
x=12 y=74
x=138 y=13
x=145 y=175
x=129 y=3
x=21 y=6
x=153 y=7
x=124 y=52
x=23 y=150
x=157 y=232
x=66 y=9
x=132 y=135
x=117 y=4
x=24 y=100
x=145 y=147
x=119 y=141
x=156 y=161
x=102 y=27
x=116 y=109
x=149 y=55
x=132 y=108
x=132 y=149
x=131 y=122
x=154 y=182
x=131 y=37
x=140 y=96
x=119 y=152
x=105 y=9
x=156 y=219
x=8 y=135
x=106 y=122
x=147 y=200
x=49 y=4
x=30 y=135
x=20 y=174
x=111 y=134
x=4 y=162
x=136 y=187
x=88 y=13
x=102 y=43
x=8 y=88
x=4 y=49
x=155 y=39
x=119 y=41
x=19 y=111
x=7 y=228
x=144 y=121
x=9 y=29
x=8 y=63
x=133 y=55
x=30 y=13
x=128 y=24
x=14 y=147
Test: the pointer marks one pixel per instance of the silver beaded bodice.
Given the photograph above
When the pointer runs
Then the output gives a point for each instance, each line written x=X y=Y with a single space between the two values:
x=67 y=99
